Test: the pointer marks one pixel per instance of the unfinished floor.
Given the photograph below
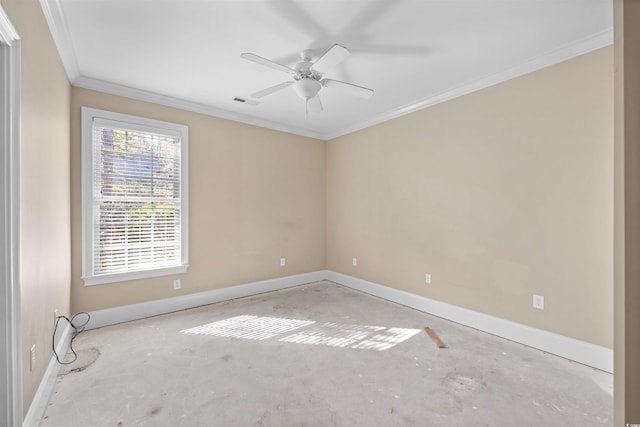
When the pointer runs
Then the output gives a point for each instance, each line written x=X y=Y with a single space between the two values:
x=318 y=355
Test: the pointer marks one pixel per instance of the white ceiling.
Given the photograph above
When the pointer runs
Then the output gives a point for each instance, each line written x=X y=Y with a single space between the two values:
x=413 y=53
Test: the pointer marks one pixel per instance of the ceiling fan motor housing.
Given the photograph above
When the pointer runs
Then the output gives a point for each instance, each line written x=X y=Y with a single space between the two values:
x=304 y=68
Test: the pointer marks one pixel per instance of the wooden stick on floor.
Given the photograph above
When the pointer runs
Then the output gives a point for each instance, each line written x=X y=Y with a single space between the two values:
x=434 y=337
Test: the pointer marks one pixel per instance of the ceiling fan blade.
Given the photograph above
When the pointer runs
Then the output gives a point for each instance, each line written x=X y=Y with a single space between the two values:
x=314 y=104
x=268 y=63
x=301 y=20
x=331 y=57
x=349 y=88
x=270 y=90
x=392 y=49
x=369 y=14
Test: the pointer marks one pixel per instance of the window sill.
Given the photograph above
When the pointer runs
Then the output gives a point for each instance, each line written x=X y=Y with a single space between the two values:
x=134 y=275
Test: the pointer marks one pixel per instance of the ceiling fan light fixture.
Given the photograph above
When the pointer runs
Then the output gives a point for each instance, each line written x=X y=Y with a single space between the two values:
x=307 y=88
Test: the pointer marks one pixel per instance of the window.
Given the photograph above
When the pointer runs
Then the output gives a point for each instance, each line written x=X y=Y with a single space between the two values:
x=134 y=191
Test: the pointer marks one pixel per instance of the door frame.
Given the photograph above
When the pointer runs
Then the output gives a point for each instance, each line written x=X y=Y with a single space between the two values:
x=11 y=407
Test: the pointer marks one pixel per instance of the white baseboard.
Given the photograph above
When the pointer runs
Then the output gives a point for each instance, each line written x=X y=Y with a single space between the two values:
x=579 y=351
x=582 y=352
x=126 y=313
x=45 y=389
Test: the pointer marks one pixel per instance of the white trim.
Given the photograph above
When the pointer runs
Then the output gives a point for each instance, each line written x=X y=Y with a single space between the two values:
x=561 y=54
x=10 y=330
x=126 y=313
x=133 y=275
x=54 y=15
x=169 y=101
x=579 y=351
x=90 y=118
x=582 y=352
x=45 y=389
x=58 y=26
x=8 y=34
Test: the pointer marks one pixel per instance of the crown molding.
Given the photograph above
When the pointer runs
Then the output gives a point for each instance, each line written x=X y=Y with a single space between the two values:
x=8 y=34
x=54 y=16
x=561 y=54
x=169 y=101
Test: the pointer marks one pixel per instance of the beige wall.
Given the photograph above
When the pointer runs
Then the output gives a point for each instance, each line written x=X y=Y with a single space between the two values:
x=255 y=195
x=627 y=213
x=499 y=194
x=44 y=192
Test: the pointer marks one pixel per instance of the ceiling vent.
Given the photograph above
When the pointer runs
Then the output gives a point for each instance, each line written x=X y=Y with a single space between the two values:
x=245 y=101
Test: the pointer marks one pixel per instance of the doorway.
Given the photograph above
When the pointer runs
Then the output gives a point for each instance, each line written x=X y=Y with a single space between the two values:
x=10 y=350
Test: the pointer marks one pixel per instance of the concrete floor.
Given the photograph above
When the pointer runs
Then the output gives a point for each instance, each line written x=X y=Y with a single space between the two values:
x=318 y=355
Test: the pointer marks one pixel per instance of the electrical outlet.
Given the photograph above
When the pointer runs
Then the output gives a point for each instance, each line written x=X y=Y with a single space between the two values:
x=427 y=278
x=283 y=262
x=354 y=262
x=538 y=302
x=176 y=284
x=32 y=358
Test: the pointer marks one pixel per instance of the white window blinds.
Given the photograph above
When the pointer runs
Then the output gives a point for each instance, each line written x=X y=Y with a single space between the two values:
x=137 y=206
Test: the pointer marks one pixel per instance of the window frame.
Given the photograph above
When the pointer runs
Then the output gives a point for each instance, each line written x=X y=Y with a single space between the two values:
x=134 y=123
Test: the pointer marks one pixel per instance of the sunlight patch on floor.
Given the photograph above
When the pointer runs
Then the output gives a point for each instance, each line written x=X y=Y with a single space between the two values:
x=306 y=332
x=249 y=327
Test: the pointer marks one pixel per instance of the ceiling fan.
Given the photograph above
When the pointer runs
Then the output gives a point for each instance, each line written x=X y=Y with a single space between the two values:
x=307 y=77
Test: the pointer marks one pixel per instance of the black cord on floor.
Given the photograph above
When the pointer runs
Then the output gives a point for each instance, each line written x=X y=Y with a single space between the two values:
x=77 y=328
